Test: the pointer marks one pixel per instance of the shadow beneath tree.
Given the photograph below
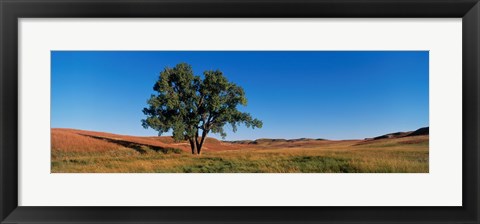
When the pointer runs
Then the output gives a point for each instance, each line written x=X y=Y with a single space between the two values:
x=141 y=148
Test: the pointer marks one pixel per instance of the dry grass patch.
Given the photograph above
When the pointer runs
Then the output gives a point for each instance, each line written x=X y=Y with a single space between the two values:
x=74 y=151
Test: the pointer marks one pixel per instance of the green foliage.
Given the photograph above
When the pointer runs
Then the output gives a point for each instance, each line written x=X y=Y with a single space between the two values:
x=186 y=104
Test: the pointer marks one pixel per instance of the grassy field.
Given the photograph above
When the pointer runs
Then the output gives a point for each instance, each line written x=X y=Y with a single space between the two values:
x=76 y=151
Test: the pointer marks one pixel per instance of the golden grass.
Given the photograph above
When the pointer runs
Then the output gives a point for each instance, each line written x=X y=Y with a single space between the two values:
x=73 y=152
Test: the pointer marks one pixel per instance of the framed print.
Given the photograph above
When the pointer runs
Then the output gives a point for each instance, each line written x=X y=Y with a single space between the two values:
x=247 y=112
x=225 y=143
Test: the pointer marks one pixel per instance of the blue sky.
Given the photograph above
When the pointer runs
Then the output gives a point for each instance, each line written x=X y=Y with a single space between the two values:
x=312 y=94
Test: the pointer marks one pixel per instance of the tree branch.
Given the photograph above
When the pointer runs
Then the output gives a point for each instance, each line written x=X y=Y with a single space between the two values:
x=208 y=124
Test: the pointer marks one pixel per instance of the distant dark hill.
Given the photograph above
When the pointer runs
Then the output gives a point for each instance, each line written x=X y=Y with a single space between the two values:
x=420 y=131
x=393 y=135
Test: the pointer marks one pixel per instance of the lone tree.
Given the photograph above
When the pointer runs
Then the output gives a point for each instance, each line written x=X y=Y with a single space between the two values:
x=186 y=104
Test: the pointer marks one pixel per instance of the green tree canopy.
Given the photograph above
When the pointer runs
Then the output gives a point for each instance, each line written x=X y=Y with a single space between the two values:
x=186 y=104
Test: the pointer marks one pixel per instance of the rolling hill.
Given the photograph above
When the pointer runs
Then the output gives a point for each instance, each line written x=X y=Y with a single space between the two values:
x=74 y=140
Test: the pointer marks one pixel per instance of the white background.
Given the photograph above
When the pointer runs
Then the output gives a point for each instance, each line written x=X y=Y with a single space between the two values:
x=442 y=186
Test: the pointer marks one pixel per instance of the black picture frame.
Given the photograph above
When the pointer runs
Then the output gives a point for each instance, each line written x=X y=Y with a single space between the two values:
x=12 y=10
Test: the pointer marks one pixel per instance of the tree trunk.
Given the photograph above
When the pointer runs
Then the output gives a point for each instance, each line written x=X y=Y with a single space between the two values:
x=199 y=145
x=193 y=146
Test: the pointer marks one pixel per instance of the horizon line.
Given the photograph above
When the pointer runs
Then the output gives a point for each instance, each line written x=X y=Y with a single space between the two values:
x=220 y=139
